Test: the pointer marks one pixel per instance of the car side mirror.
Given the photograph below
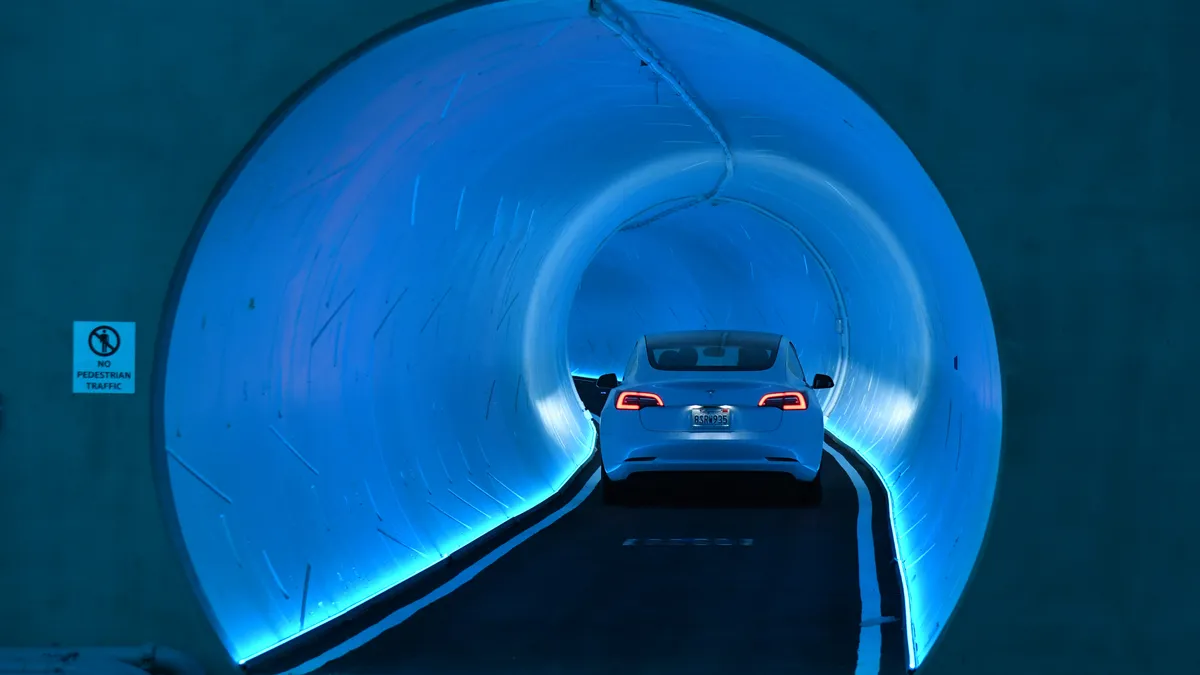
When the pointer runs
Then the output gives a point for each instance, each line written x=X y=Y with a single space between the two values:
x=610 y=381
x=822 y=381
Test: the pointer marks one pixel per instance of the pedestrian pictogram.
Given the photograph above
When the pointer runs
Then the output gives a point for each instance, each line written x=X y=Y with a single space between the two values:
x=104 y=341
x=105 y=357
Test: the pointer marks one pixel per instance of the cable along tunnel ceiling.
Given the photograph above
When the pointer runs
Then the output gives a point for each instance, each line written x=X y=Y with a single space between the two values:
x=371 y=356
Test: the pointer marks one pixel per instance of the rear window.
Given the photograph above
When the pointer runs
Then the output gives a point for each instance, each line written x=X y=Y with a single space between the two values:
x=712 y=351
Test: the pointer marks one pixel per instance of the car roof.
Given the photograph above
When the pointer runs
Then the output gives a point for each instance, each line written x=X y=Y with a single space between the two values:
x=733 y=336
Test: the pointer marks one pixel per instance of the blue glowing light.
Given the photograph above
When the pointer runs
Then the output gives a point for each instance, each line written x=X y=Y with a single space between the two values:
x=371 y=356
x=404 y=574
x=910 y=649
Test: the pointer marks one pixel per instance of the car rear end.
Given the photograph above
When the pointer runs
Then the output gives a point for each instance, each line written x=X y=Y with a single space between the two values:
x=721 y=413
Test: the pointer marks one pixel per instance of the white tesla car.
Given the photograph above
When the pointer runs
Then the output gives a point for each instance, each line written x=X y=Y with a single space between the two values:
x=712 y=401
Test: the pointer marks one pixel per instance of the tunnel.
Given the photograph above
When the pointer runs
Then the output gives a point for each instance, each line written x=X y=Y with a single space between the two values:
x=369 y=361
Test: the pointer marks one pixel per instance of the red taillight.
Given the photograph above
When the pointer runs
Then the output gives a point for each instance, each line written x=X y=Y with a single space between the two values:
x=636 y=400
x=784 y=400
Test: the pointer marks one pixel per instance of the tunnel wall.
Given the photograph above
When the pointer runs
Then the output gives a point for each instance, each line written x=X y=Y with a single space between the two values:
x=709 y=267
x=390 y=381
x=918 y=387
x=918 y=383
x=999 y=100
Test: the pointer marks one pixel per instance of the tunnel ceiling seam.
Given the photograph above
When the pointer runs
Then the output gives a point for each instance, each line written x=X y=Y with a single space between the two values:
x=611 y=16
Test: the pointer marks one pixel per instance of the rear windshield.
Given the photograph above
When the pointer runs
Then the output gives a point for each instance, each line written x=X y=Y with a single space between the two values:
x=712 y=350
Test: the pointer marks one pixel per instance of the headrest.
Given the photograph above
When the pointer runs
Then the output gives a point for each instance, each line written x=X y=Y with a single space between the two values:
x=753 y=357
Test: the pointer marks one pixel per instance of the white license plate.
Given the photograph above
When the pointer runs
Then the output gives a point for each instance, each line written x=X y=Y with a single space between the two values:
x=710 y=417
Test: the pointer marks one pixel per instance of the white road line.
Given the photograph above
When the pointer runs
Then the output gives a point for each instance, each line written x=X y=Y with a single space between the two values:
x=463 y=577
x=870 y=641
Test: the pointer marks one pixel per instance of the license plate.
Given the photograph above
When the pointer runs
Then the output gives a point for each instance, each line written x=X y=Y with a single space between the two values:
x=710 y=417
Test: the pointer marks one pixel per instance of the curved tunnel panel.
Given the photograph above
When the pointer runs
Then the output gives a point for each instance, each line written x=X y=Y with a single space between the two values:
x=723 y=264
x=371 y=357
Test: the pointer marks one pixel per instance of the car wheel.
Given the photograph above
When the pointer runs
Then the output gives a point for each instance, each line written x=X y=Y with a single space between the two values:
x=610 y=490
x=810 y=491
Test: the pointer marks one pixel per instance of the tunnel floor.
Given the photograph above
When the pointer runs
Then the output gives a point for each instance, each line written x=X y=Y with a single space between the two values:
x=710 y=579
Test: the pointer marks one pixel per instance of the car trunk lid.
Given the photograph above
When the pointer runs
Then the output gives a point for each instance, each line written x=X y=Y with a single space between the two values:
x=711 y=404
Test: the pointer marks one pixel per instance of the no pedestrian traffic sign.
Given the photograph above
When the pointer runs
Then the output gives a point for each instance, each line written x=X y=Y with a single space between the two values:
x=105 y=354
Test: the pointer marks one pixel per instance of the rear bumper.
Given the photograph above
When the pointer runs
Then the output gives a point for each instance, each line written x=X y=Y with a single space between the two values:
x=684 y=451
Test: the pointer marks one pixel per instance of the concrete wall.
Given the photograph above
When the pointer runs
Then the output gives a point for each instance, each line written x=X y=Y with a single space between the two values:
x=1058 y=137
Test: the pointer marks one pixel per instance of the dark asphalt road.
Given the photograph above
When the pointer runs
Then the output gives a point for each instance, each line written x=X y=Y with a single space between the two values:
x=769 y=588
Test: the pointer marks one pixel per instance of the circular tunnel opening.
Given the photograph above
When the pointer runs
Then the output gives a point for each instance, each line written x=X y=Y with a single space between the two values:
x=723 y=263
x=369 y=363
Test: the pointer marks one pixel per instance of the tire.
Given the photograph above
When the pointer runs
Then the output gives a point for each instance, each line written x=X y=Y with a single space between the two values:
x=611 y=491
x=810 y=492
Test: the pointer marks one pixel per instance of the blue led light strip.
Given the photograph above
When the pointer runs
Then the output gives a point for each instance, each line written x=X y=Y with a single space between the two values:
x=910 y=644
x=387 y=587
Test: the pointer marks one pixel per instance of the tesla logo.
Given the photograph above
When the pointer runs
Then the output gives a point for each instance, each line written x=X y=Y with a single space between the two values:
x=711 y=392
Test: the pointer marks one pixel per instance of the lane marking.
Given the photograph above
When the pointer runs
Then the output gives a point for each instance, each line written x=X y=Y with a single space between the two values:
x=870 y=640
x=687 y=541
x=396 y=618
x=870 y=644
